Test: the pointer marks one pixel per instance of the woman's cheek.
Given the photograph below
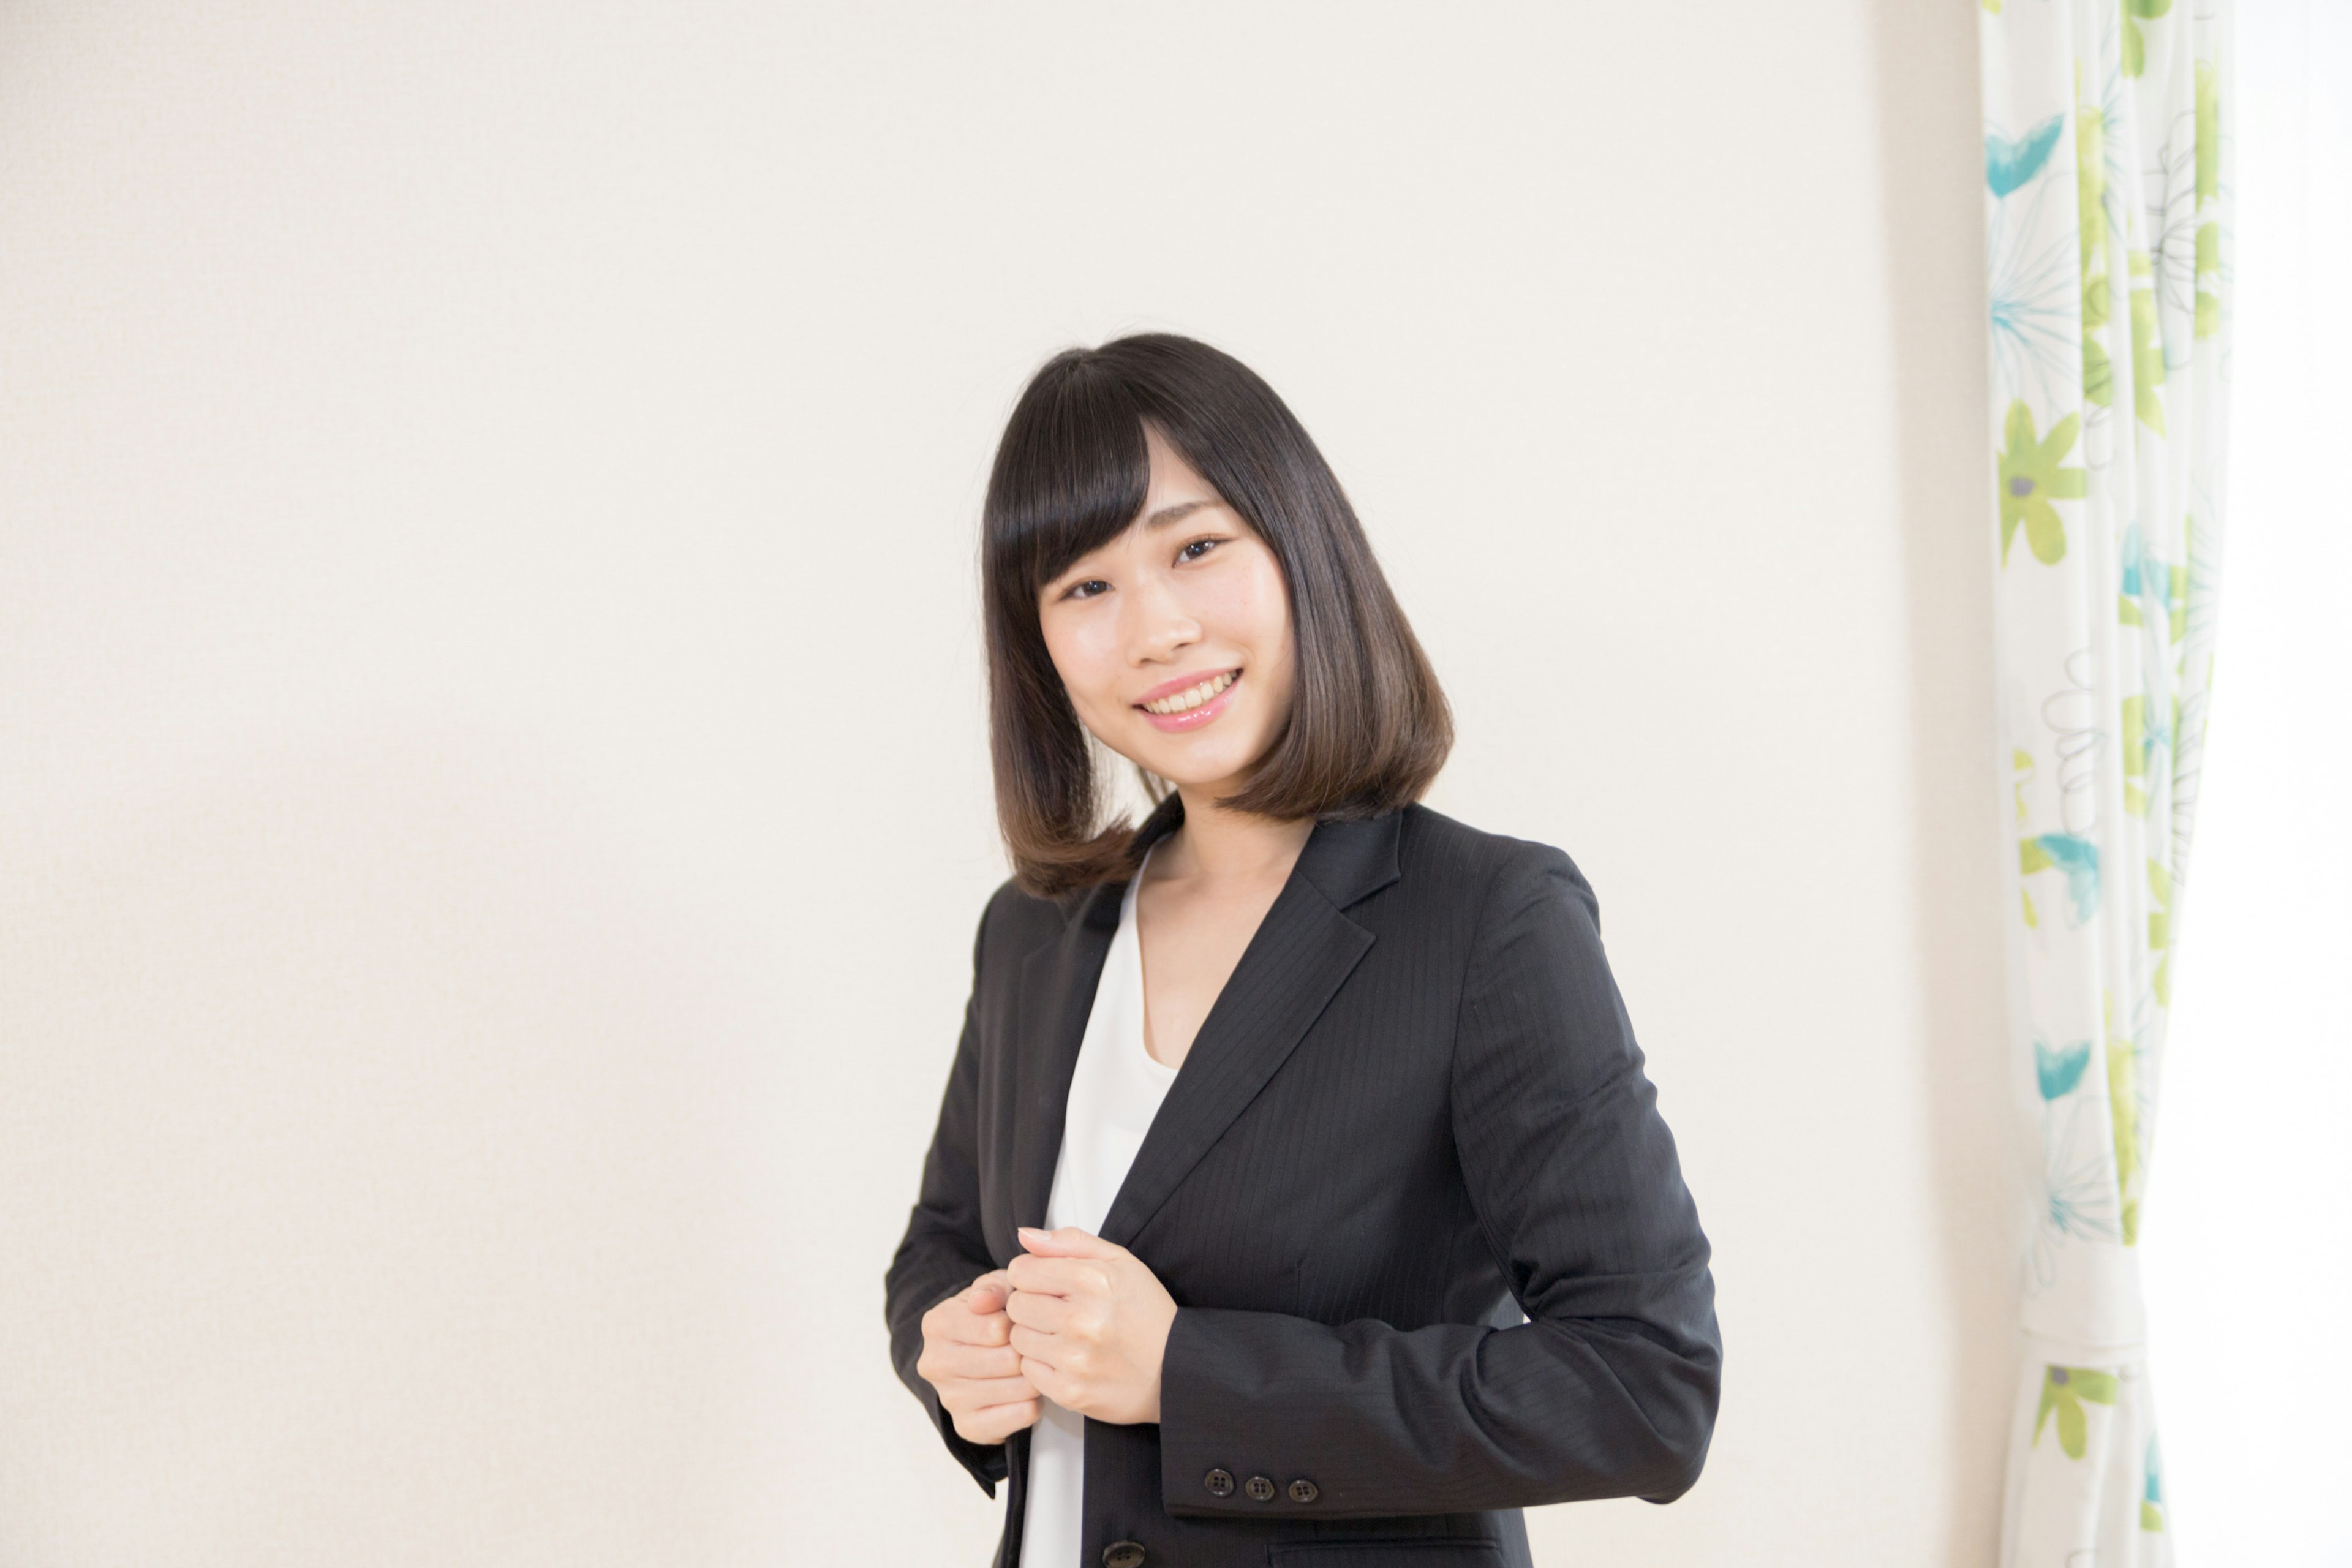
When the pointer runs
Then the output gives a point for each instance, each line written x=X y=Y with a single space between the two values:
x=1231 y=610
x=1086 y=667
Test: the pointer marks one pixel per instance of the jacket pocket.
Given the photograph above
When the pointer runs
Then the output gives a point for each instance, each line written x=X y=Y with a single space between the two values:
x=1409 y=1552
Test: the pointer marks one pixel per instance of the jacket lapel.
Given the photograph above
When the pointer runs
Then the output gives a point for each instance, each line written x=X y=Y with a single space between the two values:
x=1301 y=954
x=1057 y=994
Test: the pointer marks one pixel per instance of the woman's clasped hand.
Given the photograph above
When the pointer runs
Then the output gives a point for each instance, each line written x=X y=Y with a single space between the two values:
x=1080 y=1321
x=968 y=1357
x=1091 y=1322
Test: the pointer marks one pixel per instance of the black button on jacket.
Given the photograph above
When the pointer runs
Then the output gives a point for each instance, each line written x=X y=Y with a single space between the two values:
x=1415 y=1112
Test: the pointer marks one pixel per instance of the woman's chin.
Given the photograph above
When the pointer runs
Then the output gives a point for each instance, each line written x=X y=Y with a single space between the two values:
x=1216 y=762
x=1196 y=776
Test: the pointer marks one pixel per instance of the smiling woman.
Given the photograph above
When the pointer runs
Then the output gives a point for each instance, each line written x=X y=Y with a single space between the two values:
x=1274 y=1114
x=1245 y=538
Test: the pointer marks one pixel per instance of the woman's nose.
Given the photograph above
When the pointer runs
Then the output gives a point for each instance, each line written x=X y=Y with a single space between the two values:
x=1167 y=639
x=1160 y=628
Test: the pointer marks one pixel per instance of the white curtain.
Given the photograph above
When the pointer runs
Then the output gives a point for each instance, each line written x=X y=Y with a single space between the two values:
x=2107 y=163
x=2259 y=1070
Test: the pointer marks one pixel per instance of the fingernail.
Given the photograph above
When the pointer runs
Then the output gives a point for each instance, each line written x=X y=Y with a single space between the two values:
x=1029 y=1230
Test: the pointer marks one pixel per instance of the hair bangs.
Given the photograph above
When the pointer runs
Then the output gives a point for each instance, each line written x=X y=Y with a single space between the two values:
x=1071 y=474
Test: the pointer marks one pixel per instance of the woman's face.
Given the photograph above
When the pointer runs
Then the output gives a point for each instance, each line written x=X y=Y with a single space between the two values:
x=1174 y=639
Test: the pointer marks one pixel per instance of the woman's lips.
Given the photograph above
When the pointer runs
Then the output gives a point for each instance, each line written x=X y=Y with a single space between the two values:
x=1193 y=717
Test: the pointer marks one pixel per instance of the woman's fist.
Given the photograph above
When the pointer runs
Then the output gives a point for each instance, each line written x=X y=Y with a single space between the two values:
x=968 y=1356
x=1090 y=1321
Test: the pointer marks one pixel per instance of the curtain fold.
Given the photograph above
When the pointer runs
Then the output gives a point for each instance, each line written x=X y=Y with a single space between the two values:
x=2108 y=169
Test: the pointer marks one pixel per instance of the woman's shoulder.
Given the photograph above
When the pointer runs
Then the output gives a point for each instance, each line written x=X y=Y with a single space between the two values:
x=1014 y=922
x=1435 y=849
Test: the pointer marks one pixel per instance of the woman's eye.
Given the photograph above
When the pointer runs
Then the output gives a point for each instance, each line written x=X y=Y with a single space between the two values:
x=1197 y=549
x=1085 y=590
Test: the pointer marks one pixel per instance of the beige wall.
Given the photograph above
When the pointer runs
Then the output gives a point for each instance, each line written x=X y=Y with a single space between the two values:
x=492 y=778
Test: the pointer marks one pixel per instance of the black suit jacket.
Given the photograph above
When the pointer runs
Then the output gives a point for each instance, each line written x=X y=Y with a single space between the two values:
x=1415 y=1110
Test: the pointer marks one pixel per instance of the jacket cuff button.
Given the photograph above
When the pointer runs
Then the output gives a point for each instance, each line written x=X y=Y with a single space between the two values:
x=1304 y=1490
x=1219 y=1482
x=1260 y=1488
x=1123 y=1555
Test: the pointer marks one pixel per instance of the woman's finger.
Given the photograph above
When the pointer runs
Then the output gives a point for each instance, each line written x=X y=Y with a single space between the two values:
x=1051 y=1382
x=959 y=1324
x=1058 y=1275
x=1029 y=1344
x=985 y=1294
x=983 y=1392
x=940 y=1362
x=997 y=1422
x=1034 y=1310
x=1068 y=1242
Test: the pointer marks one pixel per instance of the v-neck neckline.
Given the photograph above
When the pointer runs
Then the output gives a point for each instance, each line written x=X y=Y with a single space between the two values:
x=1133 y=915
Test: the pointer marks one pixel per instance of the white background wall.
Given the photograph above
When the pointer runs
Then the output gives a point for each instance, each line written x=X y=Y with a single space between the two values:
x=492 y=772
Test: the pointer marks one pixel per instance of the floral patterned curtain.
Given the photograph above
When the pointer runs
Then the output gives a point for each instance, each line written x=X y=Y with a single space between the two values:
x=2108 y=261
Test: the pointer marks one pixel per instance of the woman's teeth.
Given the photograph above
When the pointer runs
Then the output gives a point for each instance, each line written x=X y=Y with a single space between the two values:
x=1193 y=697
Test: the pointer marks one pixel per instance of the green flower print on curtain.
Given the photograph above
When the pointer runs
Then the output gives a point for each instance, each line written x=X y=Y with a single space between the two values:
x=2136 y=41
x=2063 y=1390
x=2107 y=190
x=2031 y=478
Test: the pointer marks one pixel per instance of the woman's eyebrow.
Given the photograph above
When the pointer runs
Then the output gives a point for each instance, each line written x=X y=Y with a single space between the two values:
x=1182 y=509
x=1165 y=515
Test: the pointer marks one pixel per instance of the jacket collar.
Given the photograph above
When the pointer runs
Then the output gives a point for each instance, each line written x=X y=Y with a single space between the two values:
x=1345 y=860
x=1295 y=961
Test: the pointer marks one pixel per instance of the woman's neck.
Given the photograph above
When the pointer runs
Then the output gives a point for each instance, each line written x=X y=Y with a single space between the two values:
x=1225 y=847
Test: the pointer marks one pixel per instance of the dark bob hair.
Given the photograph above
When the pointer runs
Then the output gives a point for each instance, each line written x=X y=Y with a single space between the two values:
x=1368 y=727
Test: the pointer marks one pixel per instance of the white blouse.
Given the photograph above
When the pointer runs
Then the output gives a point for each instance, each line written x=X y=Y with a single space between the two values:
x=1115 y=1092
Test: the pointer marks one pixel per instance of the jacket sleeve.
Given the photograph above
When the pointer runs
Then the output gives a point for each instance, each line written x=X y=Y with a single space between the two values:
x=943 y=1249
x=1607 y=1390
